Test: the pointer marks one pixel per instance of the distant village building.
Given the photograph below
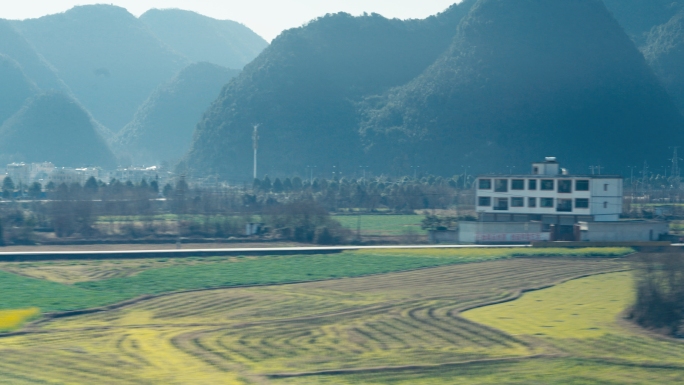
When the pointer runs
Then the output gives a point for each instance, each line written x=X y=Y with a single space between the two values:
x=550 y=204
x=20 y=173
x=40 y=172
x=135 y=174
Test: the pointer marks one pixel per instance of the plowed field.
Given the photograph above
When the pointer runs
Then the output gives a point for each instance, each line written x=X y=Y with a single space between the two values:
x=392 y=328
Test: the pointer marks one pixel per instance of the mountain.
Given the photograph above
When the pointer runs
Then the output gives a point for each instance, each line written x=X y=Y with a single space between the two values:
x=201 y=38
x=664 y=51
x=163 y=126
x=303 y=89
x=14 y=45
x=638 y=17
x=53 y=127
x=15 y=87
x=525 y=79
x=109 y=58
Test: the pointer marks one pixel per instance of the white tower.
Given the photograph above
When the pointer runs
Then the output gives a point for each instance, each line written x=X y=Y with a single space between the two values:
x=255 y=140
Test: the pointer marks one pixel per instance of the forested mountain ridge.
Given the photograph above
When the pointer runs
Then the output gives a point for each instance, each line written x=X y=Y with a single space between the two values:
x=303 y=89
x=36 y=68
x=665 y=53
x=638 y=17
x=525 y=78
x=108 y=57
x=204 y=39
x=15 y=87
x=163 y=126
x=53 y=127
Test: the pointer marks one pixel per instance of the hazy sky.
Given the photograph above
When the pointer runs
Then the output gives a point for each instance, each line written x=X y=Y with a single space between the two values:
x=266 y=17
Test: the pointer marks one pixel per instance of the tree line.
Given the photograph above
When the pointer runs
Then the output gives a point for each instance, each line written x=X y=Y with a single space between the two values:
x=289 y=208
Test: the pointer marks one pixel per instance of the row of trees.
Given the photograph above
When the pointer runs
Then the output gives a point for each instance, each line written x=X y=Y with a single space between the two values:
x=144 y=210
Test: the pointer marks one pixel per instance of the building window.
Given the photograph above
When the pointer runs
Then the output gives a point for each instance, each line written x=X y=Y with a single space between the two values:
x=532 y=184
x=485 y=184
x=605 y=187
x=565 y=186
x=564 y=206
x=531 y=202
x=535 y=170
x=501 y=204
x=581 y=203
x=547 y=184
x=546 y=202
x=518 y=184
x=501 y=185
x=517 y=202
x=582 y=185
x=484 y=202
x=605 y=205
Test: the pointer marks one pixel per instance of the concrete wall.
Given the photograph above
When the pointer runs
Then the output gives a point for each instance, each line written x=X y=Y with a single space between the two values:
x=443 y=236
x=501 y=232
x=640 y=231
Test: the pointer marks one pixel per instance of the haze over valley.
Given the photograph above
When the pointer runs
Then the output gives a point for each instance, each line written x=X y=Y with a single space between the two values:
x=481 y=84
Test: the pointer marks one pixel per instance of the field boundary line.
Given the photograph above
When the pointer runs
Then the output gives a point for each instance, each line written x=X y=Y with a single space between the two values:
x=381 y=369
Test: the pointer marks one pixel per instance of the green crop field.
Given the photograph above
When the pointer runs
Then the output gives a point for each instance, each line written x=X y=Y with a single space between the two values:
x=383 y=225
x=98 y=283
x=384 y=326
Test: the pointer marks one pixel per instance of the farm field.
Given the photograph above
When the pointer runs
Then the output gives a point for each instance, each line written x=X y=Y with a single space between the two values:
x=72 y=285
x=261 y=335
x=383 y=225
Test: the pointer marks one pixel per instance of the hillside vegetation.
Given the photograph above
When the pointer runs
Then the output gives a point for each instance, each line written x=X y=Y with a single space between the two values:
x=664 y=51
x=638 y=17
x=15 y=86
x=36 y=68
x=204 y=39
x=109 y=58
x=524 y=78
x=303 y=89
x=54 y=127
x=162 y=128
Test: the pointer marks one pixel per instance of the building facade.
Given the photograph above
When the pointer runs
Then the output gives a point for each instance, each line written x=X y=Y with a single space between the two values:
x=549 y=195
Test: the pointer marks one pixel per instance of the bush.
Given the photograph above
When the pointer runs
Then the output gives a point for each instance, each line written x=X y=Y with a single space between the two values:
x=660 y=293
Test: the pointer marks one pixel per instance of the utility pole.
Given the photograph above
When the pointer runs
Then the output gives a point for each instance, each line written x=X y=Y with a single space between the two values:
x=255 y=143
x=675 y=168
x=644 y=175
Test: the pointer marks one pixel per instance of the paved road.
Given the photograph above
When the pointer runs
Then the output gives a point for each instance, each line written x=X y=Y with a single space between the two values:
x=17 y=256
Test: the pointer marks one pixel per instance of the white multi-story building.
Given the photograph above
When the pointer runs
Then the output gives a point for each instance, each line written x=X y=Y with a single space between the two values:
x=549 y=195
x=551 y=205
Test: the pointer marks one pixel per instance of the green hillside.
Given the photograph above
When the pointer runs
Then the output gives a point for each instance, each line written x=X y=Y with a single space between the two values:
x=525 y=79
x=15 y=87
x=14 y=45
x=53 y=127
x=201 y=38
x=665 y=53
x=303 y=89
x=638 y=17
x=163 y=126
x=109 y=58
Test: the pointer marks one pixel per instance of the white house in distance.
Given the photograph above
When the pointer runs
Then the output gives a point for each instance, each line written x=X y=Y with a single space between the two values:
x=550 y=192
x=550 y=204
